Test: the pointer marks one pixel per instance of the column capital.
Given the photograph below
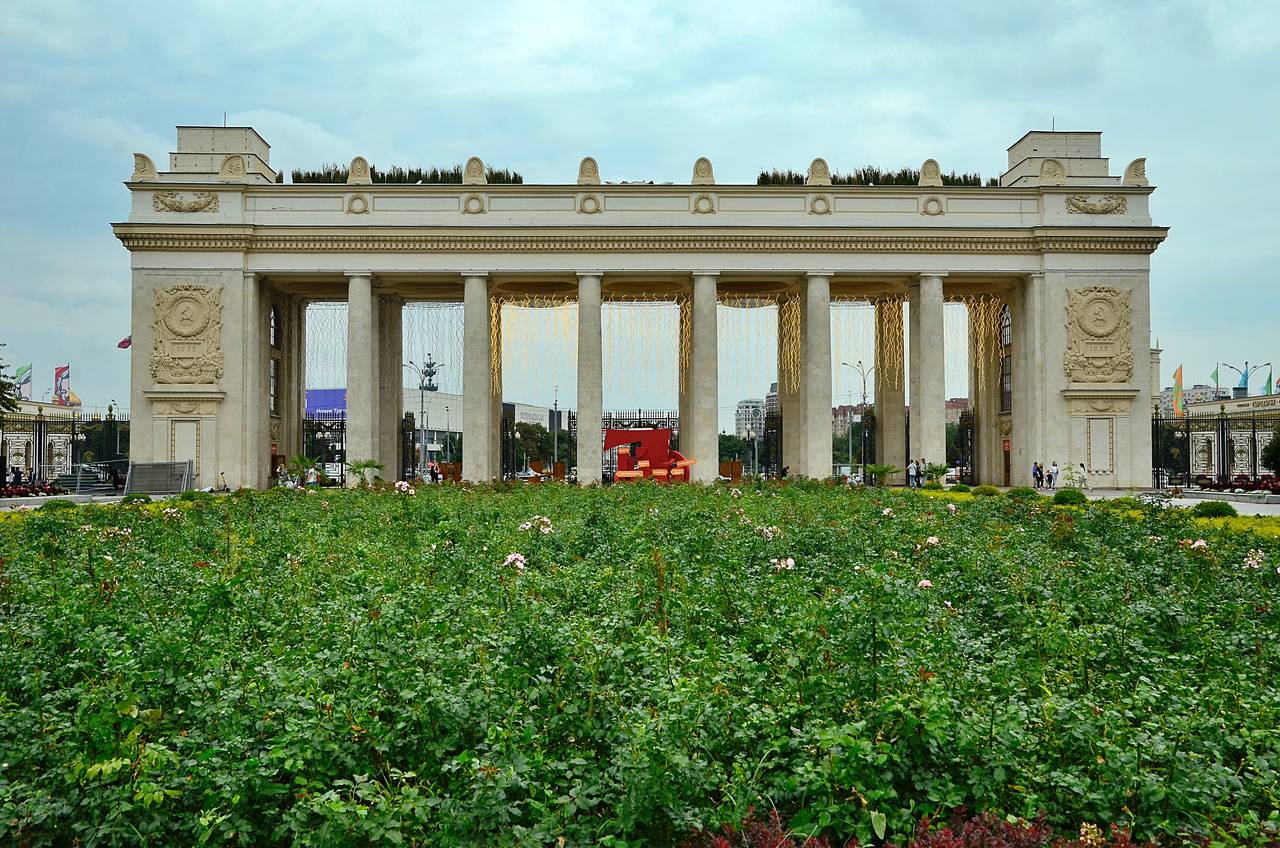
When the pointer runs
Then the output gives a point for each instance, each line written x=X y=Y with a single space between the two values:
x=924 y=275
x=478 y=275
x=350 y=274
x=599 y=275
x=827 y=274
x=1036 y=275
x=704 y=273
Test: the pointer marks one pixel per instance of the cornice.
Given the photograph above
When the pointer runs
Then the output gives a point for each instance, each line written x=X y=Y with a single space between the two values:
x=145 y=237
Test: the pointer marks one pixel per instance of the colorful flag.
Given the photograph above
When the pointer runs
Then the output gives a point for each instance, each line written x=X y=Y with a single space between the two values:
x=1179 y=406
x=126 y=342
x=22 y=382
x=62 y=385
x=1267 y=389
x=1244 y=378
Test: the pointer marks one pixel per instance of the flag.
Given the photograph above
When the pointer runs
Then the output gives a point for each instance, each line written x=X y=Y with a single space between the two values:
x=22 y=382
x=1179 y=407
x=1214 y=375
x=1244 y=378
x=126 y=342
x=62 y=385
x=1267 y=389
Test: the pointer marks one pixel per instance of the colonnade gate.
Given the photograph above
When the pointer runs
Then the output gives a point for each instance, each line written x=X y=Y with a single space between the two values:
x=1051 y=262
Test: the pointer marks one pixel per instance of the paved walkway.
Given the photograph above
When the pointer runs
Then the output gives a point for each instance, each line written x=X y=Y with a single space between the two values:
x=1242 y=507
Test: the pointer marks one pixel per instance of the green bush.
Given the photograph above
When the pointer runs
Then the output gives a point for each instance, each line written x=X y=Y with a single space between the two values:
x=356 y=668
x=136 y=498
x=933 y=485
x=195 y=496
x=1214 y=509
x=1124 y=503
x=1069 y=496
x=1023 y=493
x=961 y=487
x=985 y=491
x=59 y=504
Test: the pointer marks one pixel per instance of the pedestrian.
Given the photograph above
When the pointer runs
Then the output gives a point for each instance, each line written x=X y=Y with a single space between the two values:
x=912 y=471
x=920 y=473
x=1053 y=475
x=1084 y=477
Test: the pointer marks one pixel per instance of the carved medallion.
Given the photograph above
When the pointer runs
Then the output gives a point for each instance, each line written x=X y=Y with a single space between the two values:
x=473 y=204
x=359 y=172
x=473 y=172
x=704 y=204
x=590 y=204
x=588 y=172
x=232 y=168
x=820 y=204
x=933 y=205
x=188 y=335
x=930 y=174
x=819 y=173
x=1099 y=327
x=1111 y=204
x=357 y=204
x=702 y=173
x=170 y=201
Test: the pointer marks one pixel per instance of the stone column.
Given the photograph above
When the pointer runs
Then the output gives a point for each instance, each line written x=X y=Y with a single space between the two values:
x=891 y=391
x=984 y=403
x=590 y=381
x=1028 y=390
x=791 y=336
x=816 y=377
x=477 y=406
x=256 y=416
x=928 y=370
x=705 y=443
x=363 y=378
x=391 y=395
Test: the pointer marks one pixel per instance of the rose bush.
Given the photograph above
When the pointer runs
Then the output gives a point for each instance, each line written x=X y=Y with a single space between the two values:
x=364 y=667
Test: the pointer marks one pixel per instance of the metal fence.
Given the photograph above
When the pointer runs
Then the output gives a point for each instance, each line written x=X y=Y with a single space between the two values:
x=55 y=445
x=1211 y=449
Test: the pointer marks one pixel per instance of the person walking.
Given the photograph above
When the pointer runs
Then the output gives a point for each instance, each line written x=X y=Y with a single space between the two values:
x=1084 y=477
x=920 y=473
x=1053 y=475
x=912 y=471
x=1036 y=476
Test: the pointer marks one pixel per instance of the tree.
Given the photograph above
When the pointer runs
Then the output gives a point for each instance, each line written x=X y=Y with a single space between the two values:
x=732 y=447
x=8 y=390
x=1271 y=455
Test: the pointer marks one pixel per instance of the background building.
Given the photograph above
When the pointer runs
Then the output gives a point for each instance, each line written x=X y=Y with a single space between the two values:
x=749 y=417
x=1195 y=394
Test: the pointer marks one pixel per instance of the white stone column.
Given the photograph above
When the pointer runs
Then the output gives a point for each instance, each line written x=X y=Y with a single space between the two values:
x=1028 y=411
x=928 y=370
x=891 y=390
x=791 y=335
x=362 y=368
x=477 y=406
x=391 y=395
x=590 y=380
x=256 y=416
x=705 y=367
x=816 y=376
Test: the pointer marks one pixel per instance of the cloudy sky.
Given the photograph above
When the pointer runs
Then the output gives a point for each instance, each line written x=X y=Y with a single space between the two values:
x=645 y=87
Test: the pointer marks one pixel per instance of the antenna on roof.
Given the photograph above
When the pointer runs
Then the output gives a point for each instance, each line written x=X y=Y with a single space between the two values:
x=224 y=119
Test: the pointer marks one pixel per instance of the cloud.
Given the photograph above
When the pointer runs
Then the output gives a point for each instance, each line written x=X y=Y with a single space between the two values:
x=114 y=134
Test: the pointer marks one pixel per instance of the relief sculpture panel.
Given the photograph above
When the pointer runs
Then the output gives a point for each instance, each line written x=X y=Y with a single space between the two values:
x=188 y=335
x=1099 y=331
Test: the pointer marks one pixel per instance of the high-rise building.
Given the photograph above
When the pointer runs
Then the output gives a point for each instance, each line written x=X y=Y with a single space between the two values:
x=749 y=417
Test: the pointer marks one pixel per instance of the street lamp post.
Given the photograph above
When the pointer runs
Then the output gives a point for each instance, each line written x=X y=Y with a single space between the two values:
x=426 y=374
x=555 y=430
x=1246 y=372
x=863 y=372
x=448 y=436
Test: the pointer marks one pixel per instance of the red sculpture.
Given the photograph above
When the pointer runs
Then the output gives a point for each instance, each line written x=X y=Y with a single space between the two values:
x=647 y=453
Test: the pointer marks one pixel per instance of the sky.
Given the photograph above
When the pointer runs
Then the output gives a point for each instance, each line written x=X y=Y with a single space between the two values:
x=645 y=87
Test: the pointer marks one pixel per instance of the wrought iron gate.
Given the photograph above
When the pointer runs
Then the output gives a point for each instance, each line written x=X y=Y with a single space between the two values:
x=771 y=453
x=324 y=438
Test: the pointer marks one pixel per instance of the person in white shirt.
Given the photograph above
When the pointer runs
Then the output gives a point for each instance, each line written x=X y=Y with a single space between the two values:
x=912 y=471
x=1053 y=475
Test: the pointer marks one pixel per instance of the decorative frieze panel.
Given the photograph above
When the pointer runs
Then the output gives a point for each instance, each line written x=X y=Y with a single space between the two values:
x=187 y=330
x=185 y=407
x=1110 y=204
x=1099 y=330
x=1099 y=405
x=172 y=201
